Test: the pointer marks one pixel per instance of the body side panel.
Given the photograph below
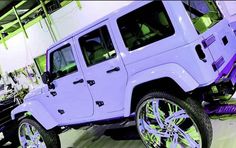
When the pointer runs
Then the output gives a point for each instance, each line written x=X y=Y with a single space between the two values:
x=37 y=110
x=170 y=70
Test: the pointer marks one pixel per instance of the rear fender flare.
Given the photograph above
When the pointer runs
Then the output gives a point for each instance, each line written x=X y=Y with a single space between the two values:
x=172 y=71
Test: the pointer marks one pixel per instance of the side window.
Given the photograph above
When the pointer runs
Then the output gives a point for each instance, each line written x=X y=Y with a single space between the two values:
x=204 y=14
x=62 y=62
x=145 y=25
x=97 y=46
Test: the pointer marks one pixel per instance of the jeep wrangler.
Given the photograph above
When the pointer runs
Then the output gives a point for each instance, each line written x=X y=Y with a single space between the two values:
x=155 y=61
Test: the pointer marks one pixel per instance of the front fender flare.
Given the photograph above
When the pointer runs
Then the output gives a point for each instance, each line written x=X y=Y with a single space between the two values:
x=171 y=70
x=39 y=112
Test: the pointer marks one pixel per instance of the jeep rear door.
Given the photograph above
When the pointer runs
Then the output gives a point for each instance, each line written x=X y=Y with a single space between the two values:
x=217 y=35
x=71 y=100
x=103 y=68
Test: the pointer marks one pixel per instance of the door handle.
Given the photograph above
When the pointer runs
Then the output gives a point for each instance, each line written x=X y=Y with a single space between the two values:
x=79 y=81
x=200 y=53
x=113 y=70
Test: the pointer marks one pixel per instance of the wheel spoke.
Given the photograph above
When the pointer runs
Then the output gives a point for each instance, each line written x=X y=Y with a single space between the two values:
x=154 y=131
x=191 y=141
x=28 y=130
x=155 y=107
x=36 y=135
x=23 y=140
x=177 y=115
x=175 y=141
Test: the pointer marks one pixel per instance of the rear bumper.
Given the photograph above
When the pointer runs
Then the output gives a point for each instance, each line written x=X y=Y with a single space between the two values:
x=228 y=73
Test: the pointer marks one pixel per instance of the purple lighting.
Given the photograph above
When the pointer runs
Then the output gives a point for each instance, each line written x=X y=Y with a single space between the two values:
x=208 y=41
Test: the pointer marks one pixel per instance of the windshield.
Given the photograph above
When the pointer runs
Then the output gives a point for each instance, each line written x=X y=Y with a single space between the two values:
x=204 y=14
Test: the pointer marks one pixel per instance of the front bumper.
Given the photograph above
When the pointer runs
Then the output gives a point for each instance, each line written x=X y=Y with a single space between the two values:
x=228 y=74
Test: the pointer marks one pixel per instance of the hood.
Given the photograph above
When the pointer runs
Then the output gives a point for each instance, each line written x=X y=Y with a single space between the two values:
x=35 y=92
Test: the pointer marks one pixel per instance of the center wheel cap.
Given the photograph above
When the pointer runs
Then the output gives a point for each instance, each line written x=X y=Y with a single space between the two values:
x=170 y=128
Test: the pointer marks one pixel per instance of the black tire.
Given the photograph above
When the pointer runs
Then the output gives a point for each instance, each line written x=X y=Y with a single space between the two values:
x=192 y=108
x=50 y=137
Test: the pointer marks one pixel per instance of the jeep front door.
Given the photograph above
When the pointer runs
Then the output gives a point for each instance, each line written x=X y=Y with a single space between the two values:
x=70 y=101
x=103 y=68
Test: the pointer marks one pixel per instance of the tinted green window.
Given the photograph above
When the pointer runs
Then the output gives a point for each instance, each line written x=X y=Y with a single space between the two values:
x=204 y=14
x=41 y=63
x=97 y=46
x=145 y=25
x=62 y=62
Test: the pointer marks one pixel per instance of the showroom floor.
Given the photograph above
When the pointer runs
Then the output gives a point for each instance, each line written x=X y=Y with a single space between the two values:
x=110 y=136
x=116 y=136
x=224 y=134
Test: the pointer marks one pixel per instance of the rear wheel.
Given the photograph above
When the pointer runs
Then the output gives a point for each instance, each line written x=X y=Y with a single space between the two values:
x=166 y=121
x=32 y=134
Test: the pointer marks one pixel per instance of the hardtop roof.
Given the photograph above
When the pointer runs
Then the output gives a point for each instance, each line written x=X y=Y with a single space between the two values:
x=93 y=24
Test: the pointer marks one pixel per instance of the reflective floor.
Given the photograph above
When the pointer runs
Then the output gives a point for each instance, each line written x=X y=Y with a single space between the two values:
x=116 y=136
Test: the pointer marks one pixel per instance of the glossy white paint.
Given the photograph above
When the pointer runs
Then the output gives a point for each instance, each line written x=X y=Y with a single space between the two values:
x=38 y=111
x=171 y=70
x=228 y=9
x=74 y=99
x=174 y=57
x=108 y=87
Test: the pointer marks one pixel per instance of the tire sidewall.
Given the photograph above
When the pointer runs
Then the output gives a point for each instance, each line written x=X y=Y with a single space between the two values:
x=50 y=138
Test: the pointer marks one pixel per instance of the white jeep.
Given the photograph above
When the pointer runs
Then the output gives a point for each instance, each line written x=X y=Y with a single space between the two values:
x=155 y=61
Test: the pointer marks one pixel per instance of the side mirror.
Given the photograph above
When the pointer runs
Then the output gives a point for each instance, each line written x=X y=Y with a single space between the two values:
x=47 y=79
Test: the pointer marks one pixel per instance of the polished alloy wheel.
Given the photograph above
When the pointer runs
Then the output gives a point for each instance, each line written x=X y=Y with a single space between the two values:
x=30 y=137
x=162 y=123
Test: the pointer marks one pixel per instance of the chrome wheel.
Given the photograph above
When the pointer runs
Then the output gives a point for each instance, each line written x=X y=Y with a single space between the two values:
x=30 y=137
x=163 y=123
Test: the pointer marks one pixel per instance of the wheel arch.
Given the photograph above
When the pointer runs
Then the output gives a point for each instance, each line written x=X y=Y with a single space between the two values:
x=169 y=77
x=168 y=85
x=35 y=110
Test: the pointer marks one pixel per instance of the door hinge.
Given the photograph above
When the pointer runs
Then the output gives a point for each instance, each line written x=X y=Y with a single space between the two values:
x=61 y=111
x=91 y=82
x=100 y=103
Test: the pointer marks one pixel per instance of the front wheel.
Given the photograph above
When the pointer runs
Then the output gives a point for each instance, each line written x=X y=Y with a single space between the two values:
x=166 y=121
x=32 y=134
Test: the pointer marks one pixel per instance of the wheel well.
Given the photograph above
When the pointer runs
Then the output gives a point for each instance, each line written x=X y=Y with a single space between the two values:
x=23 y=115
x=20 y=116
x=163 y=84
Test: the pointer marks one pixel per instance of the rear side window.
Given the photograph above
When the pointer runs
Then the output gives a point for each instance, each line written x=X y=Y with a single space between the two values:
x=97 y=46
x=145 y=25
x=62 y=62
x=204 y=14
